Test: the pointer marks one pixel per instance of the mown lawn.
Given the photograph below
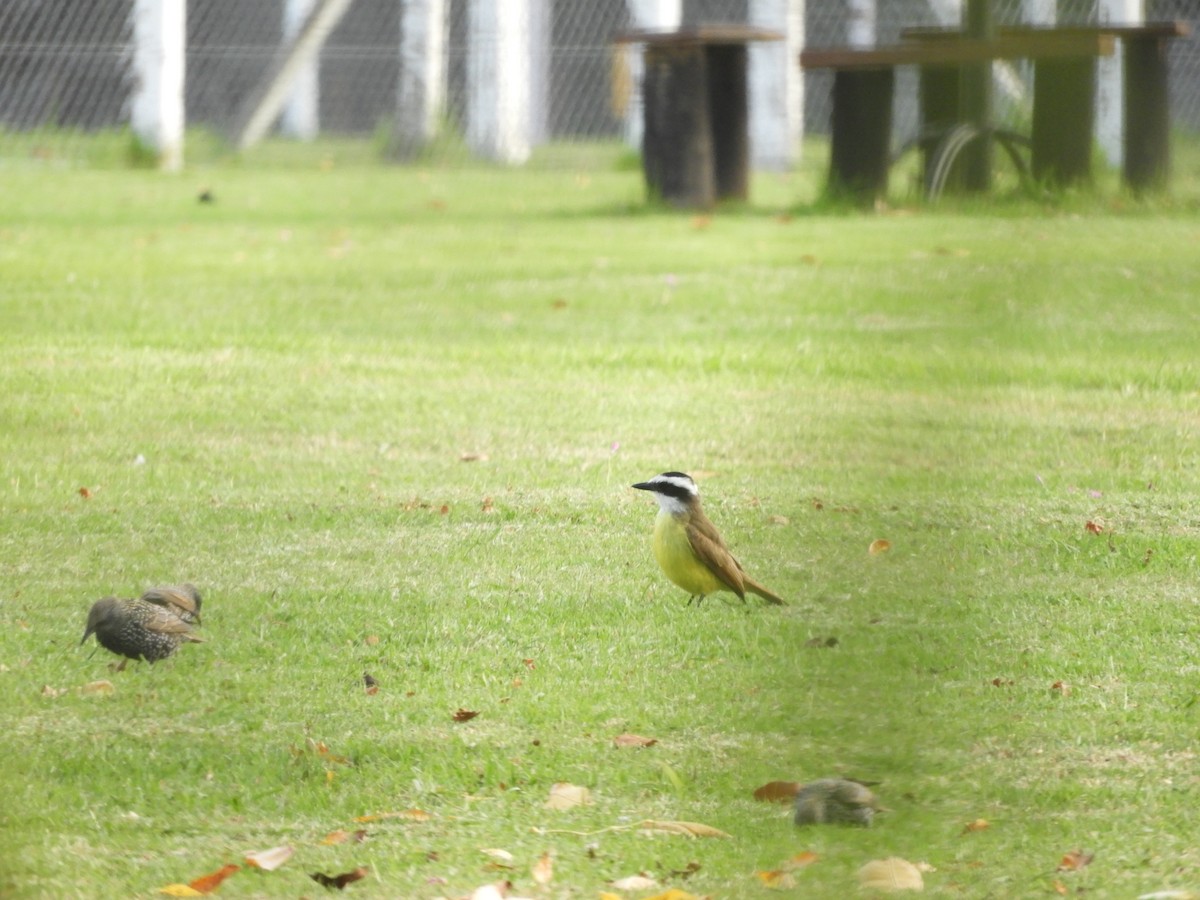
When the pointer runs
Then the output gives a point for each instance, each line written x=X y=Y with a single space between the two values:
x=387 y=420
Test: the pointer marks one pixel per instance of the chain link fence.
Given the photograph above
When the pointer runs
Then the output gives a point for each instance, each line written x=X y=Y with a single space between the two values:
x=66 y=67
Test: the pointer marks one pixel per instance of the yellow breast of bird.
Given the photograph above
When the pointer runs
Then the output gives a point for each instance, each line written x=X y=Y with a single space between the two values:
x=678 y=560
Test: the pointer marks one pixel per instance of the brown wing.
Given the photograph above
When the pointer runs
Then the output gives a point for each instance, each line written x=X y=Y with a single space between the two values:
x=162 y=621
x=169 y=597
x=710 y=547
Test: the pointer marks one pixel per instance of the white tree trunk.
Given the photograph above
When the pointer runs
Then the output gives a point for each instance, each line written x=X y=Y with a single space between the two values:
x=300 y=117
x=504 y=116
x=156 y=109
x=421 y=97
x=776 y=85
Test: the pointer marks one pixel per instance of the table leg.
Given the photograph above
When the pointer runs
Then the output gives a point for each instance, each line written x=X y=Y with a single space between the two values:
x=862 y=133
x=1064 y=115
x=729 y=113
x=1147 y=113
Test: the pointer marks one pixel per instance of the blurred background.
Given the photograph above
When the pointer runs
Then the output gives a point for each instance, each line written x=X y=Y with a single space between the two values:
x=69 y=69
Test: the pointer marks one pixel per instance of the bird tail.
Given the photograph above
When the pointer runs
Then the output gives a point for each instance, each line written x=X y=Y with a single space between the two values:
x=765 y=592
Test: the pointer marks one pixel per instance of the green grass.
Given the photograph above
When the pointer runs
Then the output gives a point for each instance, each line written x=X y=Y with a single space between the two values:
x=302 y=367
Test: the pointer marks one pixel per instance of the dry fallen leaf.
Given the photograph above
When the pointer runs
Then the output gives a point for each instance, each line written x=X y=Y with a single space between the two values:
x=800 y=860
x=673 y=894
x=543 y=869
x=97 y=688
x=691 y=829
x=977 y=825
x=1094 y=527
x=269 y=860
x=777 y=879
x=323 y=751
x=85 y=493
x=370 y=685
x=778 y=791
x=564 y=795
x=496 y=853
x=180 y=890
x=413 y=815
x=496 y=891
x=206 y=884
x=633 y=740
x=464 y=715
x=48 y=691
x=1061 y=687
x=1059 y=888
x=637 y=882
x=472 y=456
x=892 y=874
x=339 y=881
x=1074 y=860
x=878 y=546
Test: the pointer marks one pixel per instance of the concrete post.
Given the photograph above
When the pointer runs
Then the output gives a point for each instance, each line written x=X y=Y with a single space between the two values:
x=1110 y=121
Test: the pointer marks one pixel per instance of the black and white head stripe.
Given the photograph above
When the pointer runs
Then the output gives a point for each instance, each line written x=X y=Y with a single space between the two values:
x=671 y=484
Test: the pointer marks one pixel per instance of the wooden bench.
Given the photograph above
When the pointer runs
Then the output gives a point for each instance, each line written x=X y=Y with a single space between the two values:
x=1061 y=143
x=864 y=81
x=1063 y=99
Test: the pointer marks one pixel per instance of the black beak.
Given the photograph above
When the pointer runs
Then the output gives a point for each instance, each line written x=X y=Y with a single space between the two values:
x=644 y=486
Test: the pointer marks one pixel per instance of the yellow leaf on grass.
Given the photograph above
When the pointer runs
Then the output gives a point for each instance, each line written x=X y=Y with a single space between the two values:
x=605 y=895
x=543 y=869
x=892 y=874
x=673 y=894
x=180 y=890
x=564 y=795
x=269 y=860
x=977 y=825
x=691 y=829
x=879 y=546
x=496 y=853
x=206 y=884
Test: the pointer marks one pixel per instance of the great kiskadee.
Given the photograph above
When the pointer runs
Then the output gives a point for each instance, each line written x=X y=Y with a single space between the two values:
x=688 y=546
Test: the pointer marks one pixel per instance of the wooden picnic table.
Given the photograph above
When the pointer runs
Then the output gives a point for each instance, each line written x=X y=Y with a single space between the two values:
x=1064 y=89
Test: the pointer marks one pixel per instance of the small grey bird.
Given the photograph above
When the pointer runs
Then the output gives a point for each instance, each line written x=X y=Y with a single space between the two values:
x=137 y=629
x=181 y=599
x=835 y=800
